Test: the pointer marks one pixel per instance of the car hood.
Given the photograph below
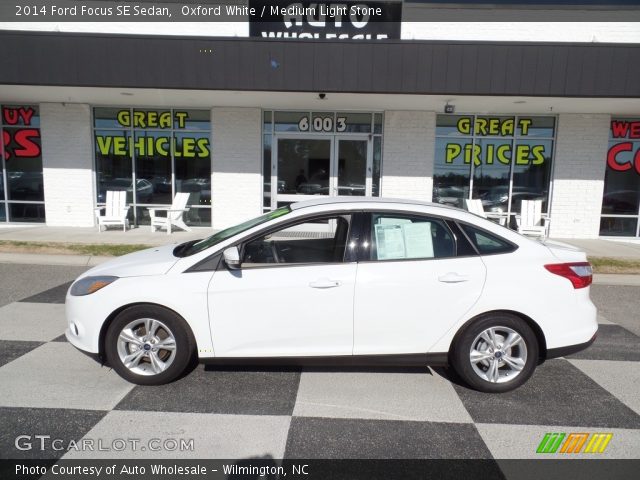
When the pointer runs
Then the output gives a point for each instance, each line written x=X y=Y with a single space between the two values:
x=152 y=261
x=565 y=252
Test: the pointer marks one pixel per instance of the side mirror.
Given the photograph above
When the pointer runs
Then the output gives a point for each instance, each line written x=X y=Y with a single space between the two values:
x=232 y=258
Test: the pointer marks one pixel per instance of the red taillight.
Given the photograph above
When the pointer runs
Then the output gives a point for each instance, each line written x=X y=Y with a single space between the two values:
x=579 y=274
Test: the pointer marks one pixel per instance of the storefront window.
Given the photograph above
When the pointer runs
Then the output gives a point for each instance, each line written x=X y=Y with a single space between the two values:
x=21 y=187
x=499 y=159
x=161 y=152
x=621 y=198
x=451 y=180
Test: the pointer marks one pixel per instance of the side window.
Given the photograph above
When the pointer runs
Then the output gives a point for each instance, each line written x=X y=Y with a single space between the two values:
x=487 y=243
x=398 y=237
x=318 y=240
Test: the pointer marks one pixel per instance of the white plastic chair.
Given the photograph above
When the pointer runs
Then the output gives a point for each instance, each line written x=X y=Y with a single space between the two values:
x=175 y=214
x=475 y=206
x=531 y=221
x=116 y=211
x=194 y=213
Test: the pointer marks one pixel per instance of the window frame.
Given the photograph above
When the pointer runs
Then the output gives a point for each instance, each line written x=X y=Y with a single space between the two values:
x=348 y=257
x=6 y=202
x=366 y=243
x=131 y=130
x=462 y=224
x=623 y=216
x=515 y=139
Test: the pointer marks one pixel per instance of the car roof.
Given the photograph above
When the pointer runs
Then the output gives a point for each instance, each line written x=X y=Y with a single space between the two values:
x=369 y=200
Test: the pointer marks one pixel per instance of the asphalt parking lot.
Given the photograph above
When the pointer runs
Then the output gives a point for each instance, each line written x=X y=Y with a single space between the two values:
x=49 y=388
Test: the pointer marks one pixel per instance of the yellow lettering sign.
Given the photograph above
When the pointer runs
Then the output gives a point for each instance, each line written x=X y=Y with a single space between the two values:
x=151 y=119
x=150 y=146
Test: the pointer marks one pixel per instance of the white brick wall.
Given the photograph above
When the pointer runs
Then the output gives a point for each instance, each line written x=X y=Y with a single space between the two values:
x=579 y=175
x=67 y=157
x=407 y=154
x=236 y=178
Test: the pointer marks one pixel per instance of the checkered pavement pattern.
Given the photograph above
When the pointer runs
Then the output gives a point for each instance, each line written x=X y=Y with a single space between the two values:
x=47 y=387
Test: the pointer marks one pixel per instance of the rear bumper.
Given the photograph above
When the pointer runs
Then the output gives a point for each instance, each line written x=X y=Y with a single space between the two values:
x=569 y=349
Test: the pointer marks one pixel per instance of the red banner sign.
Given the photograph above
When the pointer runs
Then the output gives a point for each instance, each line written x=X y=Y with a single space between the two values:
x=624 y=156
x=19 y=139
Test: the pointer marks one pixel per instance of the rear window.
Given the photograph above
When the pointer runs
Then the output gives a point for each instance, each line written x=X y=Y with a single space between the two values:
x=487 y=243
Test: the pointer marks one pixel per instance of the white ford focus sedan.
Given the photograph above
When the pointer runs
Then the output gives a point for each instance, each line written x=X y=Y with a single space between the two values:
x=356 y=281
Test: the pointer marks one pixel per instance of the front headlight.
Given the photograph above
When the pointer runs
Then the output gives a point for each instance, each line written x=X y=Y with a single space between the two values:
x=89 y=285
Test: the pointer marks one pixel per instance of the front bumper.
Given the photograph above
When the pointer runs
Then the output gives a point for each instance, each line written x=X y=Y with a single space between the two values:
x=83 y=326
x=78 y=346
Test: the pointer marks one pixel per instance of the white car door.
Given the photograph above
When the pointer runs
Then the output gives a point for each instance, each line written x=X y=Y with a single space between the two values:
x=412 y=288
x=292 y=296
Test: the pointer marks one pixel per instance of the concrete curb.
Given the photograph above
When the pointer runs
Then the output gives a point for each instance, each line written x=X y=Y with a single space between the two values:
x=616 y=279
x=90 y=261
x=49 y=259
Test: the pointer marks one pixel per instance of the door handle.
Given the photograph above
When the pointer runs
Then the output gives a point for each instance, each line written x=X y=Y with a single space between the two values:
x=324 y=283
x=453 y=277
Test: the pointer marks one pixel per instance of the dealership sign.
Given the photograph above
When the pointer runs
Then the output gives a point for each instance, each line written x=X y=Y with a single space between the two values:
x=151 y=145
x=19 y=138
x=349 y=20
x=624 y=146
x=489 y=154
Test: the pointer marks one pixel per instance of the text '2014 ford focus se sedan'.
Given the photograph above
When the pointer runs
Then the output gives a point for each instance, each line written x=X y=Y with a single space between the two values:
x=369 y=281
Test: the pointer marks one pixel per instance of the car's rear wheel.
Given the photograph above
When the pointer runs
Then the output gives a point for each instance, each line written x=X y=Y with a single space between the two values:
x=149 y=345
x=497 y=353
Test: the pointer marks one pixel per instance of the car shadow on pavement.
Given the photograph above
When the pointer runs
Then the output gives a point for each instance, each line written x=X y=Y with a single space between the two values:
x=450 y=375
x=317 y=368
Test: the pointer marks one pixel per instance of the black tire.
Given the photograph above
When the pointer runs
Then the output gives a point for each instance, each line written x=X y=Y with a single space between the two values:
x=183 y=355
x=461 y=361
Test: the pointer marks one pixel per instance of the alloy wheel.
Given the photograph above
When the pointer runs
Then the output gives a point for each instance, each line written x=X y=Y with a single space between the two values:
x=498 y=354
x=146 y=346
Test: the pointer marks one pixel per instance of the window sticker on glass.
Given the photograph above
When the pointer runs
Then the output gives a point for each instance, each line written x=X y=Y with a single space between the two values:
x=418 y=240
x=400 y=239
x=390 y=242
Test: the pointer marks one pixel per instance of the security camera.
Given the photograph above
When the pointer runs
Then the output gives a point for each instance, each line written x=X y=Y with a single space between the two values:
x=322 y=96
x=448 y=108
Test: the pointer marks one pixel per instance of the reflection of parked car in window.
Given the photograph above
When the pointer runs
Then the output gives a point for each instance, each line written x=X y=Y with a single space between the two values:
x=498 y=197
x=450 y=195
x=620 y=201
x=282 y=186
x=202 y=185
x=312 y=189
x=351 y=189
x=161 y=184
x=25 y=185
x=144 y=189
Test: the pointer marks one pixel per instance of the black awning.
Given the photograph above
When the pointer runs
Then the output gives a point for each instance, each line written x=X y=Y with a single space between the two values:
x=399 y=67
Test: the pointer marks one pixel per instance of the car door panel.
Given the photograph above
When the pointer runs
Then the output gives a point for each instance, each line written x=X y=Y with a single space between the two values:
x=301 y=310
x=406 y=306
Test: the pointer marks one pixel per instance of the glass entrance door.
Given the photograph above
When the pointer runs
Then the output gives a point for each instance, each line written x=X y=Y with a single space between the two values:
x=352 y=166
x=301 y=169
x=304 y=167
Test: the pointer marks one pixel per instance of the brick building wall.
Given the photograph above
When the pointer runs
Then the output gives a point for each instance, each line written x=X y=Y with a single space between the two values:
x=407 y=154
x=67 y=157
x=236 y=154
x=578 y=177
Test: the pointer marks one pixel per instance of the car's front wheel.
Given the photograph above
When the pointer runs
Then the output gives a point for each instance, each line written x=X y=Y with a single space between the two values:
x=497 y=353
x=149 y=345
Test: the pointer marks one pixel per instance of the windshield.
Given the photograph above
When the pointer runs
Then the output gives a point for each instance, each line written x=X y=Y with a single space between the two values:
x=223 y=235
